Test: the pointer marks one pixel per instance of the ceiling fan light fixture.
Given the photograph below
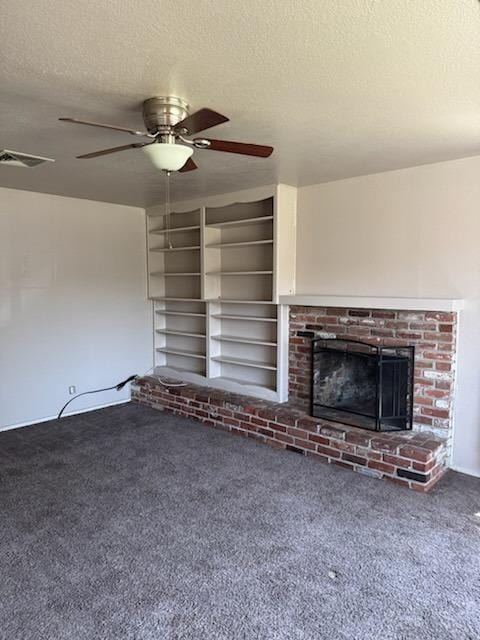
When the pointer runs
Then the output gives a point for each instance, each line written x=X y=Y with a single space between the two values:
x=167 y=156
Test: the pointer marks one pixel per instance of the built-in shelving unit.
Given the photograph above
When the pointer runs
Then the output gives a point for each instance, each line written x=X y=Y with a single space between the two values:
x=216 y=269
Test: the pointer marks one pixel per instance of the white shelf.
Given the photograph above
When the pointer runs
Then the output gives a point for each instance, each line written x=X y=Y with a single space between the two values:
x=188 y=314
x=180 y=352
x=159 y=232
x=188 y=334
x=225 y=245
x=239 y=273
x=243 y=362
x=175 y=369
x=240 y=223
x=175 y=273
x=258 y=341
x=167 y=298
x=244 y=383
x=230 y=301
x=168 y=249
x=226 y=316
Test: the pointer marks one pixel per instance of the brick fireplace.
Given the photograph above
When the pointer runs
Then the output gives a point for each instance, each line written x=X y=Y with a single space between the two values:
x=415 y=459
x=432 y=333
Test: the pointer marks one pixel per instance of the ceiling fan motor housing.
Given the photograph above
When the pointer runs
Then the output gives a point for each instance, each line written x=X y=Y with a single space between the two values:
x=161 y=114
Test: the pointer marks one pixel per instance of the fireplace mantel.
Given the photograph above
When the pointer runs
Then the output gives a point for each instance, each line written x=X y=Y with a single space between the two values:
x=375 y=302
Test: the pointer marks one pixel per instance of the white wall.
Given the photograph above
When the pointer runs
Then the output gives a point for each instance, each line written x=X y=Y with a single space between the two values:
x=413 y=232
x=73 y=308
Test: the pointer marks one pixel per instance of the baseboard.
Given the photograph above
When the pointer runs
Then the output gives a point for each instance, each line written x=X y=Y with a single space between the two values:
x=70 y=413
x=467 y=472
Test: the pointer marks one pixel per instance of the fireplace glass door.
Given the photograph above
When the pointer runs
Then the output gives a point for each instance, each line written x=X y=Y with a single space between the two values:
x=362 y=385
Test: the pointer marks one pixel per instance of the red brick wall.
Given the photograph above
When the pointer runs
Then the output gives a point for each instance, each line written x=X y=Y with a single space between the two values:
x=432 y=333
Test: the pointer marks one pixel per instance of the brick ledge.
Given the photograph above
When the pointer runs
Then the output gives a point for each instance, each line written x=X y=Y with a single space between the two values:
x=411 y=459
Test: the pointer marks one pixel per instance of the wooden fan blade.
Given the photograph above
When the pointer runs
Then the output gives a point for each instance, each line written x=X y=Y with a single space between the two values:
x=105 y=126
x=188 y=166
x=200 y=120
x=104 y=152
x=240 y=147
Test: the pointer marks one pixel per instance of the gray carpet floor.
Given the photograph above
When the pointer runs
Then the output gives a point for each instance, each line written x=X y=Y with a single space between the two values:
x=128 y=523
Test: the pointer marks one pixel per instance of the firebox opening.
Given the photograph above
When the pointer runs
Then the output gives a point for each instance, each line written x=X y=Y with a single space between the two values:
x=362 y=385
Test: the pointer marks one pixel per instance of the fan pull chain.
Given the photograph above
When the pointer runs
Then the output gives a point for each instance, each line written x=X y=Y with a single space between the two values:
x=167 y=208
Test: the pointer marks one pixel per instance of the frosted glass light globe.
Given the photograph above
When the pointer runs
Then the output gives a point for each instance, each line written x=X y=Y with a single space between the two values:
x=168 y=157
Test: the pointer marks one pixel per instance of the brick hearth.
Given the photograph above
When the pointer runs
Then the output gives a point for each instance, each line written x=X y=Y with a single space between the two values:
x=414 y=460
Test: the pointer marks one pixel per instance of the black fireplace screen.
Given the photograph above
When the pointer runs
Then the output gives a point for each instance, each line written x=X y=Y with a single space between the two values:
x=363 y=385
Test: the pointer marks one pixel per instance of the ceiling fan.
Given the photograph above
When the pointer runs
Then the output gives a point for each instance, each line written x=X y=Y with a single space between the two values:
x=167 y=122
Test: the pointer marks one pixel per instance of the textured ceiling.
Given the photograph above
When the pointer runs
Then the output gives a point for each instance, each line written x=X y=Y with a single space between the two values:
x=339 y=88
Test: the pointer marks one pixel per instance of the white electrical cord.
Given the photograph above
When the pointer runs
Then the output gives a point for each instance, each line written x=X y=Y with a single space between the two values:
x=169 y=384
x=162 y=382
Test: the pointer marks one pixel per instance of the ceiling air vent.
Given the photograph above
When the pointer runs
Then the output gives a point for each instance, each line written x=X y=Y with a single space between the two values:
x=17 y=159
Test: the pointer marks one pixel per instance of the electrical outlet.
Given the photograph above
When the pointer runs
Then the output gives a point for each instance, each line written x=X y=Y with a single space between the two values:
x=72 y=390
